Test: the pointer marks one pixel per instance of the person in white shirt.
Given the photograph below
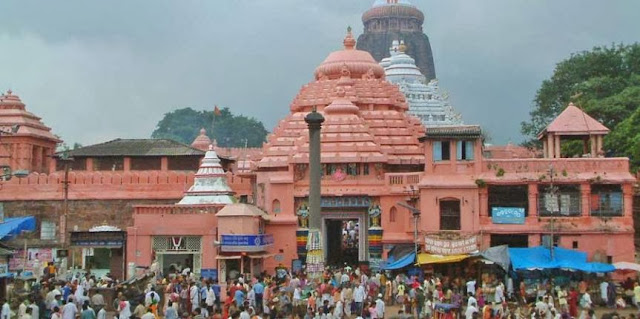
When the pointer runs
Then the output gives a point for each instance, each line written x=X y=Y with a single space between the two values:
x=471 y=309
x=471 y=287
x=6 y=310
x=102 y=314
x=70 y=310
x=22 y=309
x=194 y=296
x=358 y=297
x=148 y=315
x=380 y=306
x=35 y=311
x=471 y=300
x=604 y=285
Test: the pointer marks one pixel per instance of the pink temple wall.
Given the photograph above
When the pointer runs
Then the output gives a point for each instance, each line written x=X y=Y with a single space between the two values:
x=110 y=185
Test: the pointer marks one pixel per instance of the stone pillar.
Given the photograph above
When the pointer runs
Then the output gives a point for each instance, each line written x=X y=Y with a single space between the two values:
x=545 y=149
x=627 y=200
x=126 y=164
x=598 y=144
x=585 y=199
x=314 y=121
x=550 y=147
x=164 y=163
x=533 y=200
x=556 y=143
x=89 y=164
x=484 y=201
x=594 y=142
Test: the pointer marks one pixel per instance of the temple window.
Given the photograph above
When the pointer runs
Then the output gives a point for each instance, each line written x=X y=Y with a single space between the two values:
x=606 y=200
x=145 y=163
x=450 y=214
x=353 y=169
x=365 y=169
x=465 y=150
x=508 y=196
x=563 y=202
x=275 y=206
x=78 y=164
x=108 y=163
x=47 y=230
x=184 y=163
x=441 y=151
x=392 y=214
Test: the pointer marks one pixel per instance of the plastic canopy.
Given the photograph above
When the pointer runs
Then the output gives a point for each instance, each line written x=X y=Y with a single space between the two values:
x=13 y=226
x=540 y=258
x=403 y=261
x=624 y=265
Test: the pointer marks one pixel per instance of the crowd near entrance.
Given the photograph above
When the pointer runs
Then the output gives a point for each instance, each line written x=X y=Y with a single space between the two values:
x=343 y=241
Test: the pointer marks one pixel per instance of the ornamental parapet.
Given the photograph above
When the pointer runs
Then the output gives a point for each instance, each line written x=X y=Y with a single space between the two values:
x=565 y=169
x=177 y=209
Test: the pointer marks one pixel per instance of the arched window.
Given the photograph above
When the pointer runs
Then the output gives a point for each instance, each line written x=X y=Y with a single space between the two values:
x=275 y=206
x=392 y=214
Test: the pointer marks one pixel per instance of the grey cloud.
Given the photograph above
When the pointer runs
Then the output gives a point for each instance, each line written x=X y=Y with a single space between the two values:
x=100 y=70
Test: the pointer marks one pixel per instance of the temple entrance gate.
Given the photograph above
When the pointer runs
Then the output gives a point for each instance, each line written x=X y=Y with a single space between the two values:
x=337 y=248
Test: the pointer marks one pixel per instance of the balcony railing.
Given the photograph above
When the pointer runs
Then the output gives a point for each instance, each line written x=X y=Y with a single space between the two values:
x=403 y=178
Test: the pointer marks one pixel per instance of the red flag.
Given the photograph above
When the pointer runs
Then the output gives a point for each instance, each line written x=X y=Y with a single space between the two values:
x=216 y=111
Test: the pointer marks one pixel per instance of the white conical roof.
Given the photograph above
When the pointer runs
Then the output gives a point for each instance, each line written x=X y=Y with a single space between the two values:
x=425 y=100
x=210 y=183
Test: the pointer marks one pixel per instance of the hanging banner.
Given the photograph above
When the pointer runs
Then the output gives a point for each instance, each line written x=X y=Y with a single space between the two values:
x=446 y=246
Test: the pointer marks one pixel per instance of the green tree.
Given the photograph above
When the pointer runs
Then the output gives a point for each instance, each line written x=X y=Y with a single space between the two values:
x=605 y=83
x=183 y=125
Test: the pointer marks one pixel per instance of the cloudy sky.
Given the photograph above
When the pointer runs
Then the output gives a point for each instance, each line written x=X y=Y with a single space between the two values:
x=97 y=70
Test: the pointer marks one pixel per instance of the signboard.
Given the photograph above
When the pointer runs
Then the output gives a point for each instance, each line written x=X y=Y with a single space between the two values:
x=106 y=239
x=507 y=215
x=245 y=243
x=441 y=246
x=17 y=261
x=209 y=273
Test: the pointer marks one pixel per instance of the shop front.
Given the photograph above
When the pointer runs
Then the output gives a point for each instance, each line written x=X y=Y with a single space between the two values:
x=176 y=253
x=102 y=250
x=243 y=245
x=243 y=254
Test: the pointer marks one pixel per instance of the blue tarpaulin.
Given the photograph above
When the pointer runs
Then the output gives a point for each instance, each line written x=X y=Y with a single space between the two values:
x=540 y=258
x=13 y=226
x=403 y=261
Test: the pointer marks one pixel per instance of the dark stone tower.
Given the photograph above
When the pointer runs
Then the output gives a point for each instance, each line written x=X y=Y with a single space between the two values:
x=390 y=20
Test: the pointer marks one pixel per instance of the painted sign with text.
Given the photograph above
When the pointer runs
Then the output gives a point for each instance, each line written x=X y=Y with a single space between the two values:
x=442 y=246
x=245 y=243
x=507 y=215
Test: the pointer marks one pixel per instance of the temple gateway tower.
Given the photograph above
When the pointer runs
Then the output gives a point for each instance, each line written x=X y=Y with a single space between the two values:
x=390 y=20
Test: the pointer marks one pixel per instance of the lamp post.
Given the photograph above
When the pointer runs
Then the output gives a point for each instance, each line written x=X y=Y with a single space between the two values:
x=416 y=215
x=66 y=160
x=552 y=205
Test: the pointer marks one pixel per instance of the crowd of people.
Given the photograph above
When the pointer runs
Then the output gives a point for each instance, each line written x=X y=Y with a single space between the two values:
x=342 y=292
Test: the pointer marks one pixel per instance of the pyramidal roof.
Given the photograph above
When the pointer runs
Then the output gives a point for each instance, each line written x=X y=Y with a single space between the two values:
x=210 y=184
x=574 y=121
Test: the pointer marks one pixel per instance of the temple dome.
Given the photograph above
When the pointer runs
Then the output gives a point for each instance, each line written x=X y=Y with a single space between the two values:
x=10 y=101
x=202 y=141
x=349 y=61
x=391 y=8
